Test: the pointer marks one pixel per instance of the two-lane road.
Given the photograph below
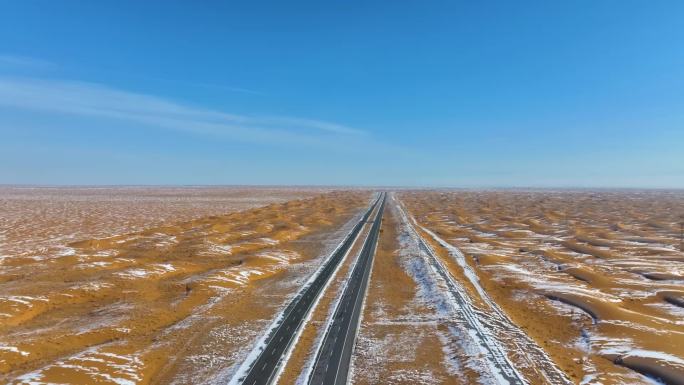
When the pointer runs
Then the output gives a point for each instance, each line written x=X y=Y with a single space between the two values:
x=264 y=369
x=334 y=355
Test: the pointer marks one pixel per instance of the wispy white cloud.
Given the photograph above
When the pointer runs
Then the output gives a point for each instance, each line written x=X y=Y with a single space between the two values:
x=97 y=100
x=210 y=86
x=316 y=124
x=9 y=61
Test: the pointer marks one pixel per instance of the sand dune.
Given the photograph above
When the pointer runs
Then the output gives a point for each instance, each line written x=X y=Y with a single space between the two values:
x=114 y=309
x=597 y=273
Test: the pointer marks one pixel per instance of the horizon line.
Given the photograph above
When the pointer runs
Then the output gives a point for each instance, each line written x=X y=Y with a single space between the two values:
x=341 y=186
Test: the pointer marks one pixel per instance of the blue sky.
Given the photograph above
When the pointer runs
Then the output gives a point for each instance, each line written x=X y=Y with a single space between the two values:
x=440 y=93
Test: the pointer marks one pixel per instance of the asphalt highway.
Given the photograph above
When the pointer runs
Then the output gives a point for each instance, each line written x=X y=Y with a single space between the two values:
x=266 y=366
x=334 y=356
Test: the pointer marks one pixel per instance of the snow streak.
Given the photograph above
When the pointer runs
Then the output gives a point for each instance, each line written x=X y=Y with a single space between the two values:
x=484 y=328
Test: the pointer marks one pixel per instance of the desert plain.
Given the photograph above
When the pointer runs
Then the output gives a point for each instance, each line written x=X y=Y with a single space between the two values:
x=160 y=285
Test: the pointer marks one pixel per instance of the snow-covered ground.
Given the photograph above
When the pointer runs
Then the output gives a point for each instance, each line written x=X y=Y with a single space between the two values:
x=478 y=330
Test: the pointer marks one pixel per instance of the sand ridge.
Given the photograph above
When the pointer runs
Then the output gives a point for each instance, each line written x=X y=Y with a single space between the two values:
x=591 y=261
x=116 y=308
